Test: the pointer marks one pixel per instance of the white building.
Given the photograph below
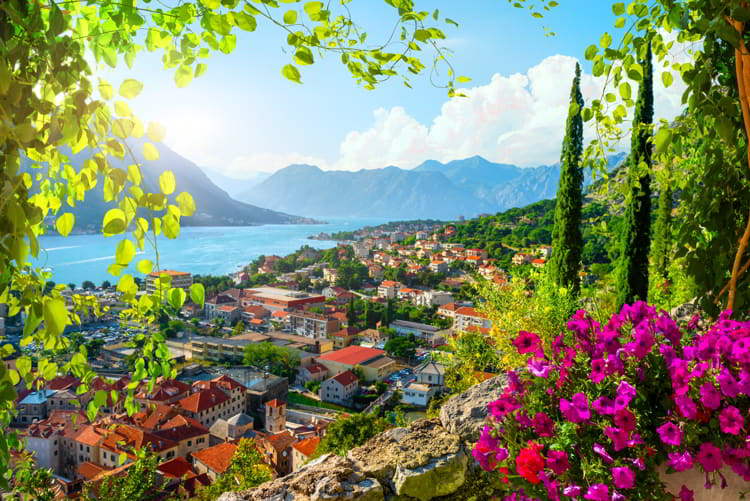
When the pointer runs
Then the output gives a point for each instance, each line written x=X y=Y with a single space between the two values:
x=339 y=389
x=418 y=394
x=433 y=298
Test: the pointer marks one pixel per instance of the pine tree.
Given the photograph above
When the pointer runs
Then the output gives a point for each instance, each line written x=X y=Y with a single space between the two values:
x=567 y=241
x=351 y=314
x=632 y=281
x=662 y=243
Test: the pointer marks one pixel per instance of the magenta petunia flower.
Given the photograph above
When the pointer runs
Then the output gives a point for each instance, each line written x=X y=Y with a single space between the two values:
x=731 y=421
x=709 y=457
x=598 y=367
x=543 y=425
x=670 y=434
x=710 y=396
x=728 y=384
x=604 y=406
x=639 y=463
x=539 y=367
x=557 y=461
x=597 y=492
x=625 y=419
x=686 y=494
x=602 y=452
x=526 y=342
x=577 y=409
x=618 y=436
x=686 y=406
x=623 y=477
x=503 y=406
x=680 y=461
x=523 y=419
x=572 y=491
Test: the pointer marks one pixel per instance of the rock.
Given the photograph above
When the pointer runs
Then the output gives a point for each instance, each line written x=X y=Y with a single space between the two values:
x=439 y=477
x=328 y=478
x=423 y=461
x=464 y=414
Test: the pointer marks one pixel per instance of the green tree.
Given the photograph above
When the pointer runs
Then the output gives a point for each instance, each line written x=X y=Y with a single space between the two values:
x=142 y=481
x=239 y=328
x=401 y=346
x=661 y=246
x=351 y=314
x=281 y=361
x=567 y=241
x=71 y=286
x=106 y=284
x=359 y=372
x=88 y=285
x=246 y=470
x=31 y=482
x=632 y=283
x=347 y=433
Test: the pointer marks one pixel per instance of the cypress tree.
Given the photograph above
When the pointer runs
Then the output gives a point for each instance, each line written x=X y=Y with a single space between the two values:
x=632 y=282
x=662 y=243
x=567 y=241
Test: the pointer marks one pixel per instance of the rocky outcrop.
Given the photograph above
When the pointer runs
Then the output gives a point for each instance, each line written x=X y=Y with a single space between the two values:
x=465 y=414
x=419 y=463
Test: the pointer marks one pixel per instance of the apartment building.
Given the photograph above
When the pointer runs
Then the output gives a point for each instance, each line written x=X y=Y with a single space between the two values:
x=312 y=325
x=339 y=389
x=179 y=279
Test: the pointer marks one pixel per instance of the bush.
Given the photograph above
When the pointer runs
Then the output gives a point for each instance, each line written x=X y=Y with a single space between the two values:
x=313 y=386
x=596 y=414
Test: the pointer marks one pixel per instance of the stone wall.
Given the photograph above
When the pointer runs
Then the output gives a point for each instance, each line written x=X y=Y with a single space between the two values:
x=429 y=460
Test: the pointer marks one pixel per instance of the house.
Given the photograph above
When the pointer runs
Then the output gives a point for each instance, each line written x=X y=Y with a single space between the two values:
x=212 y=304
x=229 y=313
x=312 y=325
x=418 y=394
x=235 y=428
x=374 y=364
x=522 y=258
x=330 y=275
x=128 y=439
x=439 y=266
x=370 y=336
x=165 y=391
x=206 y=406
x=275 y=419
x=428 y=333
x=177 y=279
x=433 y=298
x=539 y=263
x=314 y=372
x=278 y=299
x=236 y=392
x=254 y=312
x=344 y=337
x=331 y=292
x=33 y=407
x=467 y=317
x=389 y=289
x=431 y=374
x=480 y=253
x=215 y=460
x=545 y=251
x=448 y=310
x=375 y=272
x=303 y=450
x=277 y=450
x=339 y=389
x=189 y=434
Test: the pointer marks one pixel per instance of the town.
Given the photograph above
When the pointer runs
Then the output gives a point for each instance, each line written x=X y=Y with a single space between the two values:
x=382 y=342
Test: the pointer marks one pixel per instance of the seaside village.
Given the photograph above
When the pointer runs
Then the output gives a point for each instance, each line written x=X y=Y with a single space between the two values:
x=195 y=422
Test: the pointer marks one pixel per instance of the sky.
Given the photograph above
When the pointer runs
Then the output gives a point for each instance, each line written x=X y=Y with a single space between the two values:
x=243 y=117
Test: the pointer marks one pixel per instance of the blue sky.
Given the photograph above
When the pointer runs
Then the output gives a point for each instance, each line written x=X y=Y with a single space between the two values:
x=243 y=116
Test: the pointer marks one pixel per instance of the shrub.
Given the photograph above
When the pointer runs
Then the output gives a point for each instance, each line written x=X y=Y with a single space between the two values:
x=598 y=412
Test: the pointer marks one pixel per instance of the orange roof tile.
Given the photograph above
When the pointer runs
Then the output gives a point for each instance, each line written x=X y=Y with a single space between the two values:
x=307 y=447
x=88 y=470
x=346 y=378
x=352 y=355
x=217 y=458
x=470 y=312
x=202 y=400
x=280 y=441
x=178 y=467
x=275 y=403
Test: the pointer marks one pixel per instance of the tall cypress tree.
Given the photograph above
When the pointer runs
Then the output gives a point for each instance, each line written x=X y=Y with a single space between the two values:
x=662 y=243
x=567 y=241
x=632 y=282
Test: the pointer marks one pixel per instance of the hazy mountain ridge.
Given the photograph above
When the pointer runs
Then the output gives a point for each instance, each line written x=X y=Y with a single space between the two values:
x=433 y=189
x=214 y=207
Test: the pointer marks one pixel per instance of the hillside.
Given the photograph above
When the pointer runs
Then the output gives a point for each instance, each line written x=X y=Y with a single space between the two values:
x=467 y=187
x=214 y=206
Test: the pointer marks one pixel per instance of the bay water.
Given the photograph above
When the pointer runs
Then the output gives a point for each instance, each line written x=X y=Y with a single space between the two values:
x=198 y=250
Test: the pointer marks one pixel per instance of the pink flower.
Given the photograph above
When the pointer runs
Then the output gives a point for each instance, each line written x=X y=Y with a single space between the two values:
x=623 y=478
x=686 y=406
x=503 y=406
x=576 y=410
x=728 y=384
x=557 y=461
x=710 y=396
x=602 y=452
x=709 y=457
x=526 y=342
x=670 y=434
x=572 y=491
x=686 y=494
x=681 y=461
x=543 y=425
x=597 y=492
x=625 y=419
x=731 y=421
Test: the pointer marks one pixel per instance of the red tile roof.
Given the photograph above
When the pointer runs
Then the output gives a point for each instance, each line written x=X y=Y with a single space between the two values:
x=449 y=307
x=389 y=283
x=470 y=312
x=256 y=321
x=346 y=378
x=227 y=308
x=275 y=403
x=178 y=467
x=165 y=390
x=351 y=355
x=282 y=440
x=348 y=332
x=217 y=458
x=280 y=314
x=315 y=368
x=202 y=400
x=307 y=447
x=227 y=382
x=181 y=428
x=62 y=382
x=88 y=470
x=127 y=438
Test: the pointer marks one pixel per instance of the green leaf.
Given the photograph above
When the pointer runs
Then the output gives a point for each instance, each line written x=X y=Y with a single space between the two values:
x=211 y=4
x=635 y=72
x=123 y=127
x=303 y=56
x=183 y=76
x=290 y=17
x=463 y=79
x=130 y=88
x=150 y=152
x=176 y=297
x=105 y=89
x=605 y=40
x=156 y=132
x=145 y=266
x=122 y=109
x=134 y=174
x=726 y=129
x=171 y=226
x=125 y=252
x=451 y=21
x=23 y=365
x=65 y=223
x=625 y=90
x=313 y=8
x=591 y=52
x=114 y=222
x=666 y=78
x=167 y=182
x=55 y=316
x=291 y=73
x=618 y=8
x=197 y=294
x=187 y=204
x=620 y=22
x=662 y=140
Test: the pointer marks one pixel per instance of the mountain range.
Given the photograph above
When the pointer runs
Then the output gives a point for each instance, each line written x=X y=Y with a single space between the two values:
x=214 y=207
x=431 y=190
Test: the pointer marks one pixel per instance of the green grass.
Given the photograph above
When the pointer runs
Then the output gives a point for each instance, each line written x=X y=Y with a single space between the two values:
x=296 y=398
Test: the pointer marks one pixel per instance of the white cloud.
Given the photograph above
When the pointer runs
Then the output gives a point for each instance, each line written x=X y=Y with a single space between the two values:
x=517 y=119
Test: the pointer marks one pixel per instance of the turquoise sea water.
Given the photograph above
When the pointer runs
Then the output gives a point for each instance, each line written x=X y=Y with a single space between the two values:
x=198 y=250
